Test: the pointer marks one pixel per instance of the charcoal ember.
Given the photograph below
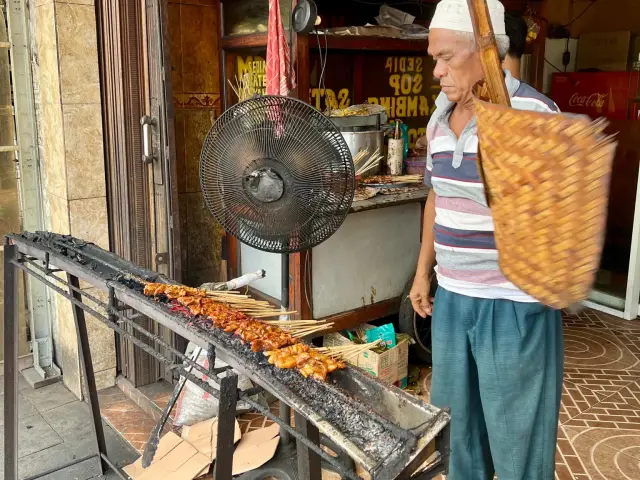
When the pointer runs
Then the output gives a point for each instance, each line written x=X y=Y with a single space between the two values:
x=352 y=418
x=132 y=284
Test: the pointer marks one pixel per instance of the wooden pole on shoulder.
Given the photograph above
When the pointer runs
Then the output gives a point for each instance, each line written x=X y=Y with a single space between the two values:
x=491 y=63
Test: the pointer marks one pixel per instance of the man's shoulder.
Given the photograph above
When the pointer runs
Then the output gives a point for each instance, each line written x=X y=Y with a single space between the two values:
x=528 y=98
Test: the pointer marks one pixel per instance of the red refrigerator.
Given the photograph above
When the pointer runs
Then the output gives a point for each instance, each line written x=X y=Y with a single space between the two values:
x=612 y=95
x=597 y=94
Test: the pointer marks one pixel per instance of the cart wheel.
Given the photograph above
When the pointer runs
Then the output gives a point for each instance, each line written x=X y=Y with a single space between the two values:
x=416 y=326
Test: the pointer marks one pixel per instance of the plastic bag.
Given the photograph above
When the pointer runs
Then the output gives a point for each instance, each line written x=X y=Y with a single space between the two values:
x=386 y=333
x=194 y=404
x=533 y=29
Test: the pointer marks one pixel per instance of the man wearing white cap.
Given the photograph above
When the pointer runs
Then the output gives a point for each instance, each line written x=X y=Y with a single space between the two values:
x=497 y=352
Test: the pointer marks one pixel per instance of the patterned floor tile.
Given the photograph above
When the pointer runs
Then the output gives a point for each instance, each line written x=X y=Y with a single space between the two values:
x=254 y=421
x=584 y=388
x=615 y=323
x=602 y=349
x=619 y=411
x=159 y=393
x=583 y=319
x=607 y=454
x=629 y=338
x=569 y=466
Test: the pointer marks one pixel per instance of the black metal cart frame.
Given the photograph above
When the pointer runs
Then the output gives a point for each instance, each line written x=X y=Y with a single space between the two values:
x=34 y=260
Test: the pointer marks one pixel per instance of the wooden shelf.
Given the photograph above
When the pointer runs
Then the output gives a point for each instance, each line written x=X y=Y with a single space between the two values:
x=253 y=40
x=378 y=44
x=334 y=42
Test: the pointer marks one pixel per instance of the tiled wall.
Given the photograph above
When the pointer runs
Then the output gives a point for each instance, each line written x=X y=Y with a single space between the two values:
x=70 y=129
x=195 y=68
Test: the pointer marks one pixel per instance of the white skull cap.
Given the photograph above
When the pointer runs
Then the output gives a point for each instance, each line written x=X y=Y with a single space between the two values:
x=454 y=15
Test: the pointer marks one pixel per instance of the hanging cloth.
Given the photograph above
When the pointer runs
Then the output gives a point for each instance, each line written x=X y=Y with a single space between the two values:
x=278 y=55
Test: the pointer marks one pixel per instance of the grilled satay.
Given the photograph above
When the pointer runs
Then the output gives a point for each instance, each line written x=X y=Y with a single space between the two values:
x=172 y=291
x=308 y=361
x=283 y=350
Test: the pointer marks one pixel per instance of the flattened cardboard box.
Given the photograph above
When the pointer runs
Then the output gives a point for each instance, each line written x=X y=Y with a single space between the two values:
x=390 y=366
x=175 y=459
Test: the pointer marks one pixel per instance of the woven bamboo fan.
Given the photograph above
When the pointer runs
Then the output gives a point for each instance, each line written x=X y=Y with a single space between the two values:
x=547 y=183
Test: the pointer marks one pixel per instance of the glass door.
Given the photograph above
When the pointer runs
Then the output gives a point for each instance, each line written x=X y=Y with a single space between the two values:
x=617 y=287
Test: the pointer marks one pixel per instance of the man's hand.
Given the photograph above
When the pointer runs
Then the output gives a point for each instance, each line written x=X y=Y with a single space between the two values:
x=420 y=300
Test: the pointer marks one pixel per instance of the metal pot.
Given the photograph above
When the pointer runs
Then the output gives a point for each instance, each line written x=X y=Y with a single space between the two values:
x=370 y=140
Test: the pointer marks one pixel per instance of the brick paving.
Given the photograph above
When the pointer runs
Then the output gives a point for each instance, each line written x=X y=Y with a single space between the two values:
x=127 y=418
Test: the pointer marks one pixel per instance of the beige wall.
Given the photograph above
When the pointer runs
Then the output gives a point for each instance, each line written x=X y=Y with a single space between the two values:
x=71 y=146
x=70 y=128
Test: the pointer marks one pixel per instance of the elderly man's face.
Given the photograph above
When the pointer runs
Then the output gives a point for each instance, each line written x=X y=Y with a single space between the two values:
x=457 y=66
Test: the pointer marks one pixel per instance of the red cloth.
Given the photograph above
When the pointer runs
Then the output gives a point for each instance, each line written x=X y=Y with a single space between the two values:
x=278 y=55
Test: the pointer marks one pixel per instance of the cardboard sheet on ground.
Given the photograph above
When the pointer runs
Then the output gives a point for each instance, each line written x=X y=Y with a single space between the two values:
x=204 y=436
x=175 y=459
x=255 y=449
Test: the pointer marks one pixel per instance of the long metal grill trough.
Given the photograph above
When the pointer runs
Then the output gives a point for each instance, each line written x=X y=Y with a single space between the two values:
x=388 y=432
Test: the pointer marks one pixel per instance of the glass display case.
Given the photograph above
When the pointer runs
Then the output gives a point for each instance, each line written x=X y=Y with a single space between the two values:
x=245 y=17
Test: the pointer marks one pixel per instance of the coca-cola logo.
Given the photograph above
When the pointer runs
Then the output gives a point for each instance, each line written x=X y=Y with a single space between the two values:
x=595 y=100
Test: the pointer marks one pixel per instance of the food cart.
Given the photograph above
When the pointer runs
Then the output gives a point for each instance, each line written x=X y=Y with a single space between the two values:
x=361 y=273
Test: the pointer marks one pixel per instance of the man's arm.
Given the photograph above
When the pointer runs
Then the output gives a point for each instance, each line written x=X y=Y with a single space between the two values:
x=420 y=291
x=427 y=252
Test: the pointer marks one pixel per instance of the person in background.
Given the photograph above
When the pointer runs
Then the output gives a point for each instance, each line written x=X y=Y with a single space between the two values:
x=517 y=30
x=497 y=352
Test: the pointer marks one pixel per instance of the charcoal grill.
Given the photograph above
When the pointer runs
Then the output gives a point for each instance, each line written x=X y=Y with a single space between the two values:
x=388 y=432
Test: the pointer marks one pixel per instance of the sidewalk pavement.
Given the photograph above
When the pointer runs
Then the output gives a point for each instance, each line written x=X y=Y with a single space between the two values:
x=55 y=428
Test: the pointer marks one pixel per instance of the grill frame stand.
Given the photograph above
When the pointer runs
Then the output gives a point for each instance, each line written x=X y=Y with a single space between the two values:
x=87 y=370
x=10 y=363
x=34 y=259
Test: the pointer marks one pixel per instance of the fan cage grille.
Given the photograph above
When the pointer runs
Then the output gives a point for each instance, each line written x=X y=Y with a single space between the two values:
x=304 y=148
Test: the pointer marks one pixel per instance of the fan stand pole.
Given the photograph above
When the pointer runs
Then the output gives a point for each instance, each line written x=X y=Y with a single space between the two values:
x=285 y=410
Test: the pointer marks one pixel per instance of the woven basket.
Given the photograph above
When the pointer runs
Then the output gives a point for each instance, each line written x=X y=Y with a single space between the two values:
x=547 y=182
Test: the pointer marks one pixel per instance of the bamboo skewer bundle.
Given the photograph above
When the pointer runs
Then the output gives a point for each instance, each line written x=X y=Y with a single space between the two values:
x=349 y=351
x=388 y=179
x=546 y=179
x=371 y=163
x=409 y=178
x=244 y=88
x=360 y=156
x=292 y=322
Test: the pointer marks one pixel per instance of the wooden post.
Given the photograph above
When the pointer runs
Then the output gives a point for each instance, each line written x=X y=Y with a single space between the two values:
x=491 y=63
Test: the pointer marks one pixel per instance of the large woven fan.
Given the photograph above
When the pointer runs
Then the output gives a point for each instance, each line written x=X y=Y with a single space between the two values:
x=277 y=174
x=547 y=183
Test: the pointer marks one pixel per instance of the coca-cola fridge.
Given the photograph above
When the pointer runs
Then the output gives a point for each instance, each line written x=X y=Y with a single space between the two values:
x=613 y=95
x=597 y=94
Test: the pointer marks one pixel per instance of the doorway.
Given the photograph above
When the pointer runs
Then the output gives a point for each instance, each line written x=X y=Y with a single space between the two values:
x=617 y=287
x=160 y=74
x=140 y=163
